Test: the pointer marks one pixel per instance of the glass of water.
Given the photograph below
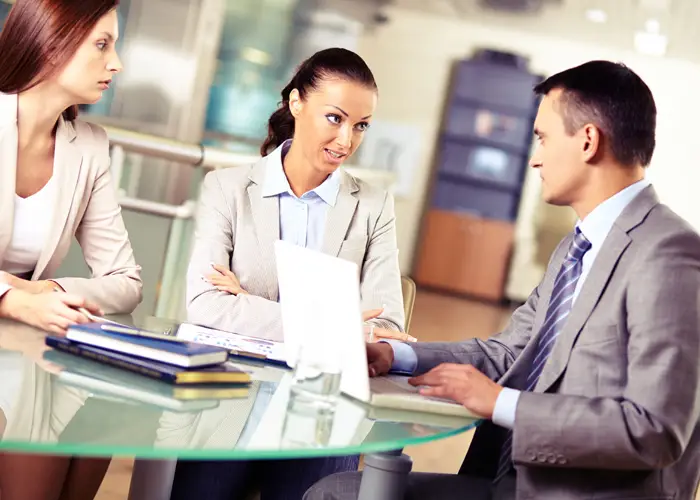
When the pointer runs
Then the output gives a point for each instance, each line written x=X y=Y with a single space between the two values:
x=318 y=368
x=306 y=424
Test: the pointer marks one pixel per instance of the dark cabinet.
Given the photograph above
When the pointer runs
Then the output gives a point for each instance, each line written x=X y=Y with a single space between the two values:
x=484 y=146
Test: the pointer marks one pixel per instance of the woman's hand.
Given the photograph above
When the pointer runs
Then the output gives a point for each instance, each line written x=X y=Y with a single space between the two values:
x=50 y=311
x=374 y=333
x=28 y=286
x=224 y=280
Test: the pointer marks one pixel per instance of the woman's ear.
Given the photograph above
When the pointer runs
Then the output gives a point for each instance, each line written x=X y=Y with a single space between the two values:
x=295 y=103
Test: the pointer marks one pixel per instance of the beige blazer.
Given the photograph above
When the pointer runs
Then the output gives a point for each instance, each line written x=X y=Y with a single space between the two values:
x=87 y=208
x=237 y=227
x=616 y=411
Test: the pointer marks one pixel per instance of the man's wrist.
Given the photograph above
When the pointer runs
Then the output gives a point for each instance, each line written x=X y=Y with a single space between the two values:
x=390 y=350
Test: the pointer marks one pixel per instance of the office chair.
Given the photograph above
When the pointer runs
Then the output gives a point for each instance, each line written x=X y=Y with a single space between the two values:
x=408 y=288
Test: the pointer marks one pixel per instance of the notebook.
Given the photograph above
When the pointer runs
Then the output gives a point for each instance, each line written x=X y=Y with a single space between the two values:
x=226 y=373
x=165 y=350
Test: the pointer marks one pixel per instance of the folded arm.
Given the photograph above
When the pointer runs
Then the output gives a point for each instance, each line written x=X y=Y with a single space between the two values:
x=649 y=427
x=243 y=313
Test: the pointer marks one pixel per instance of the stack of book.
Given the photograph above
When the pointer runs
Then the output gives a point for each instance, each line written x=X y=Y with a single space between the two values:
x=119 y=360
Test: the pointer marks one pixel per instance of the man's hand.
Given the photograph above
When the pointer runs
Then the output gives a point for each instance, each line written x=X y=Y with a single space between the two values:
x=462 y=383
x=379 y=358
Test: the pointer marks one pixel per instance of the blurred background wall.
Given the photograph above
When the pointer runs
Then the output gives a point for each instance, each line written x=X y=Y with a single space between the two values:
x=210 y=72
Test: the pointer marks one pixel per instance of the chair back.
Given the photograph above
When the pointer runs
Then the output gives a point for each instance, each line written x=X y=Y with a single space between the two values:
x=408 y=288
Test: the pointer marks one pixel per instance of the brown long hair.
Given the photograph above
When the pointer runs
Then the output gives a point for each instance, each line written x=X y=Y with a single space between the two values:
x=41 y=36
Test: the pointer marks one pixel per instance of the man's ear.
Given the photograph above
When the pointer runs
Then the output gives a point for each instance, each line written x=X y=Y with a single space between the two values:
x=591 y=141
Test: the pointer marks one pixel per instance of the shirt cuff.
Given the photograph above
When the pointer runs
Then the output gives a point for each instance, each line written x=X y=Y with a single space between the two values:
x=4 y=289
x=405 y=358
x=506 y=404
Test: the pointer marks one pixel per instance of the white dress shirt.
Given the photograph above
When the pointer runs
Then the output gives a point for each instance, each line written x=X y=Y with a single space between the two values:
x=302 y=222
x=595 y=227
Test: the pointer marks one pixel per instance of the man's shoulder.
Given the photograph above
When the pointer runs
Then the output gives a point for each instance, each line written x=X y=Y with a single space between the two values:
x=664 y=229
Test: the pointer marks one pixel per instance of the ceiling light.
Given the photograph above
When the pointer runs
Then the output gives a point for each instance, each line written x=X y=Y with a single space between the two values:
x=596 y=15
x=652 y=26
x=651 y=44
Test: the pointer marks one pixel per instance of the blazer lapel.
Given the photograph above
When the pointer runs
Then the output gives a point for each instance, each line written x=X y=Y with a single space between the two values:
x=68 y=161
x=340 y=216
x=600 y=273
x=8 y=174
x=603 y=267
x=266 y=218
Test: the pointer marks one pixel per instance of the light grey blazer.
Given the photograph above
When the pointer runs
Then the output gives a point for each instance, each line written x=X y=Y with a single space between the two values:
x=616 y=411
x=86 y=208
x=237 y=227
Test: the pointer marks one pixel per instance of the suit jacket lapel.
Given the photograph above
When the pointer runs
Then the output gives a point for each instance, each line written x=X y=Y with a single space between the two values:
x=340 y=216
x=68 y=161
x=600 y=273
x=8 y=174
x=266 y=218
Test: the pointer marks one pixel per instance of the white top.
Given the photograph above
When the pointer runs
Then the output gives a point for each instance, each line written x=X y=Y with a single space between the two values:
x=11 y=376
x=31 y=228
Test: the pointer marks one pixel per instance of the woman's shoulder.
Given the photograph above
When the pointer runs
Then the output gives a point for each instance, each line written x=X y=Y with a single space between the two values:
x=91 y=137
x=366 y=191
x=230 y=181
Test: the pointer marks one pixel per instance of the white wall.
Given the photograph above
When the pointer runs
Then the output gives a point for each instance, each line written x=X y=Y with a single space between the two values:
x=411 y=57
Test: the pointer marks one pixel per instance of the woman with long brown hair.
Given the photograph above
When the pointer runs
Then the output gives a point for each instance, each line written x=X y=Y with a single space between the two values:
x=55 y=185
x=57 y=54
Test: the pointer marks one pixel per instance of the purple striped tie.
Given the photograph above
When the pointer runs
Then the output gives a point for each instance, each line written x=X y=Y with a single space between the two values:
x=557 y=312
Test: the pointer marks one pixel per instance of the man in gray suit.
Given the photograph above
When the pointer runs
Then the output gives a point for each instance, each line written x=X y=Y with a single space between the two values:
x=592 y=391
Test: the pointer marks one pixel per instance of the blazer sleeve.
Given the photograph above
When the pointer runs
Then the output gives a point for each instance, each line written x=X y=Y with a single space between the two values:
x=651 y=425
x=116 y=278
x=214 y=239
x=494 y=356
x=380 y=278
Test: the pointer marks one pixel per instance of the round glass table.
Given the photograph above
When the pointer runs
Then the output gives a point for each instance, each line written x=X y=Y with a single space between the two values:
x=56 y=403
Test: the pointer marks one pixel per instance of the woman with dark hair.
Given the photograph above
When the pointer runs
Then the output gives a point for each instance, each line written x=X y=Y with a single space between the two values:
x=55 y=185
x=296 y=193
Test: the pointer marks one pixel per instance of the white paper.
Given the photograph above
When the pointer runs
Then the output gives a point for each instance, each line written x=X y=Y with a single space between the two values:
x=232 y=341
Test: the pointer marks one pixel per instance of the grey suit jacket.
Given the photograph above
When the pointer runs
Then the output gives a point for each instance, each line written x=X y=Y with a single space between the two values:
x=237 y=227
x=86 y=208
x=615 y=413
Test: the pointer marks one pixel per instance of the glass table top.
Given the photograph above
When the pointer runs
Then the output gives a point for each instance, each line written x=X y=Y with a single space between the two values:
x=53 y=402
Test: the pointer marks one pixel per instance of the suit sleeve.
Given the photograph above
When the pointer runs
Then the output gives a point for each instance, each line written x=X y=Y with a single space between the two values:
x=116 y=278
x=381 y=277
x=494 y=356
x=214 y=240
x=650 y=426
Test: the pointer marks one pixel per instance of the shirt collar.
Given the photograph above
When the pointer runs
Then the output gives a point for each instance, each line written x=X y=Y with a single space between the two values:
x=276 y=182
x=596 y=226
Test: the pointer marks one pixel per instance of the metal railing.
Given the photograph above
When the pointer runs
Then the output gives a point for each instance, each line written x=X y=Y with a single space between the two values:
x=195 y=155
x=168 y=149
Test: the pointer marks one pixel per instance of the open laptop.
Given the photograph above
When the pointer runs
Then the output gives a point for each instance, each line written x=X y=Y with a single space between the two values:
x=310 y=282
